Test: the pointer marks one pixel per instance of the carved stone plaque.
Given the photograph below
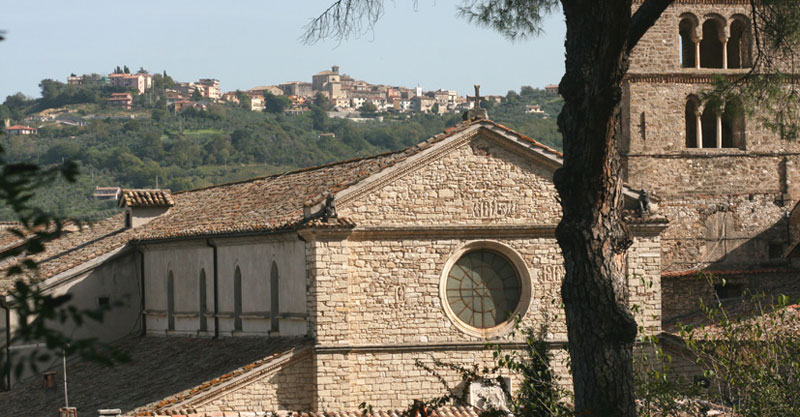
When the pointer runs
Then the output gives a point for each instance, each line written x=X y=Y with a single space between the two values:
x=494 y=209
x=487 y=394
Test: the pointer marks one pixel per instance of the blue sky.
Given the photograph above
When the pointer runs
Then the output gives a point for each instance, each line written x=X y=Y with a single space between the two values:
x=245 y=43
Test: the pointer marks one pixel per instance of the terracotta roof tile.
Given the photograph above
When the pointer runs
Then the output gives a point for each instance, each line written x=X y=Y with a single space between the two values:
x=155 y=378
x=146 y=198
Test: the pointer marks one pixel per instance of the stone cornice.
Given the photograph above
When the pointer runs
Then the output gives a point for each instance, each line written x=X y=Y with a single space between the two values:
x=454 y=231
x=710 y=153
x=481 y=232
x=695 y=2
x=684 y=77
x=428 y=347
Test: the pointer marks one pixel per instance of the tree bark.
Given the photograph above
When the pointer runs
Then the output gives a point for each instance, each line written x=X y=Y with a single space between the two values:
x=592 y=236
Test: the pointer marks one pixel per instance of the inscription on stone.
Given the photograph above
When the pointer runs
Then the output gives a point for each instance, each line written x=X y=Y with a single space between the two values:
x=495 y=209
x=553 y=272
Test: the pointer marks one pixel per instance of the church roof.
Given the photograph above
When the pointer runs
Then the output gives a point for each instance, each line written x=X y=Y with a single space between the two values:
x=269 y=204
x=161 y=377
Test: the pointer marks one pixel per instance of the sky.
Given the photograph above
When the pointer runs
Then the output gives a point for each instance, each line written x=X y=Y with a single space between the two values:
x=246 y=43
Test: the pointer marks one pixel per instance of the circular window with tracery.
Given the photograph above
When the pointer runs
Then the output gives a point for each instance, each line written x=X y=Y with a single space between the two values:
x=483 y=289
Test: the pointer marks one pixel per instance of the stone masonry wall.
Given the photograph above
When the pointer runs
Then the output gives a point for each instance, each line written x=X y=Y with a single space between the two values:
x=376 y=293
x=726 y=207
x=683 y=294
x=290 y=388
x=659 y=48
x=479 y=183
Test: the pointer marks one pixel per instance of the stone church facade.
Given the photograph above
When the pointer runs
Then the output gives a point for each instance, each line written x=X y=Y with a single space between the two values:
x=322 y=288
x=348 y=273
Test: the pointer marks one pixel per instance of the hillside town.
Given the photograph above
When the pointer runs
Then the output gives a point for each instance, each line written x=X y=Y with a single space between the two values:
x=346 y=94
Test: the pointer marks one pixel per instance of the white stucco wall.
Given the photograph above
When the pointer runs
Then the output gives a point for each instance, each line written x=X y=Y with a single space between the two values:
x=254 y=257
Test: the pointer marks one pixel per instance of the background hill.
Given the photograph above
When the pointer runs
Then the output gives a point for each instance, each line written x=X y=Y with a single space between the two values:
x=149 y=146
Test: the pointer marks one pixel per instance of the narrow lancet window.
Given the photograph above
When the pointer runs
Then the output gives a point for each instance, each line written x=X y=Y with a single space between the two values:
x=170 y=302
x=203 y=308
x=237 y=300
x=274 y=304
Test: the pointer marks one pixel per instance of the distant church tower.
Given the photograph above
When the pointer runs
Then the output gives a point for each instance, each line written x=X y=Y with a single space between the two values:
x=724 y=181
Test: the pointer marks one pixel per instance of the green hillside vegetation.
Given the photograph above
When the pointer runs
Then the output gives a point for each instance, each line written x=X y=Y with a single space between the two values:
x=222 y=144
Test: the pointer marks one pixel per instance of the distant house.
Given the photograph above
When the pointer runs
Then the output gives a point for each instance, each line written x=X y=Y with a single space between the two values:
x=231 y=97
x=534 y=108
x=182 y=105
x=21 y=130
x=274 y=90
x=106 y=193
x=257 y=102
x=422 y=104
x=296 y=88
x=551 y=88
x=139 y=82
x=121 y=100
x=210 y=89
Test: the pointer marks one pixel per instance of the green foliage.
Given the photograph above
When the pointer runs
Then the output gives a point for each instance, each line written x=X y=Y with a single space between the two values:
x=37 y=312
x=749 y=354
x=275 y=104
x=514 y=19
x=539 y=393
x=39 y=317
x=368 y=109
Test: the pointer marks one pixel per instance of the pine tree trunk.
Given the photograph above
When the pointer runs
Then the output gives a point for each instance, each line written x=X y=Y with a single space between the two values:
x=592 y=237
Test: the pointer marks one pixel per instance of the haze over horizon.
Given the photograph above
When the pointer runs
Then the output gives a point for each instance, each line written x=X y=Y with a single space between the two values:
x=252 y=43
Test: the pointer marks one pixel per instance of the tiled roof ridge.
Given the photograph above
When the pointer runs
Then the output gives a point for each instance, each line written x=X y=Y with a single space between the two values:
x=243 y=371
x=523 y=137
x=440 y=411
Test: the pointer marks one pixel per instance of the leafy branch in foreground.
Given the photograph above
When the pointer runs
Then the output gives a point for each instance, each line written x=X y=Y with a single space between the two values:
x=514 y=19
x=747 y=352
x=40 y=317
x=38 y=314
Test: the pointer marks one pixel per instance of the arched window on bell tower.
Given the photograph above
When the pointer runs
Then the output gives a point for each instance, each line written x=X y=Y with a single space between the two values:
x=690 y=45
x=733 y=126
x=712 y=46
x=693 y=122
x=740 y=43
x=712 y=128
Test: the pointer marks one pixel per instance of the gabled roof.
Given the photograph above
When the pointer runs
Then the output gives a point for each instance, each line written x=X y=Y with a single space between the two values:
x=170 y=378
x=269 y=204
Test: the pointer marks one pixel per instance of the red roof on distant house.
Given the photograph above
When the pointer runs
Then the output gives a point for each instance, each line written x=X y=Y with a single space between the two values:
x=20 y=127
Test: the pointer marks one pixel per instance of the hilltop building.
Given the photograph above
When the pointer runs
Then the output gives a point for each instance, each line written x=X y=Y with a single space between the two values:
x=140 y=82
x=21 y=130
